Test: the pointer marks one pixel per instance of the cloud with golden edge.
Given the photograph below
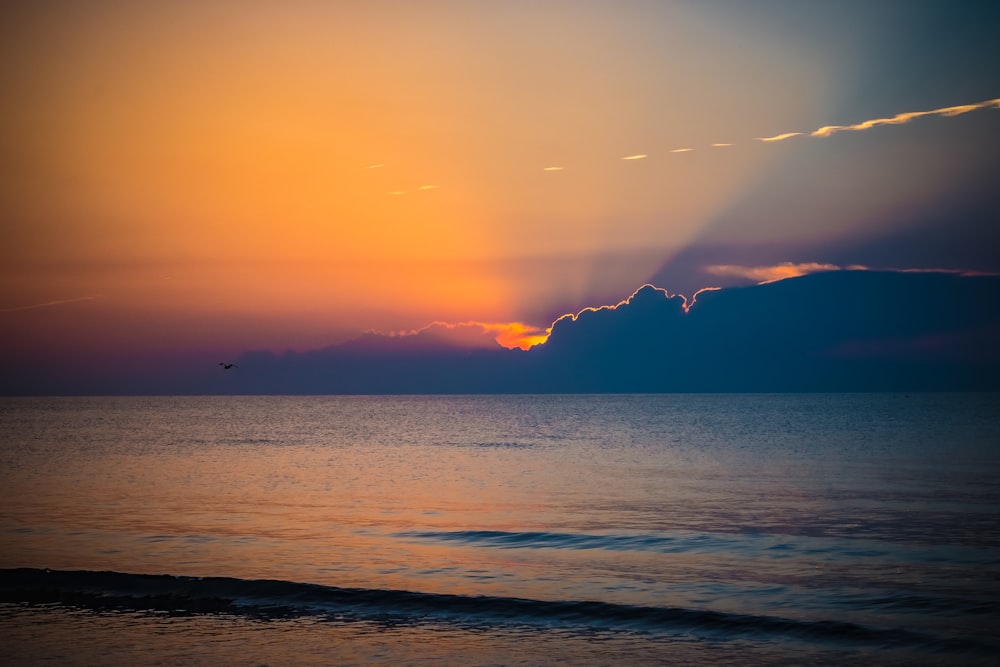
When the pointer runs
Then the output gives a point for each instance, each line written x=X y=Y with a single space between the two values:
x=768 y=274
x=686 y=305
x=478 y=334
x=901 y=118
x=682 y=150
x=552 y=168
x=429 y=187
x=720 y=145
x=525 y=336
x=640 y=156
x=694 y=297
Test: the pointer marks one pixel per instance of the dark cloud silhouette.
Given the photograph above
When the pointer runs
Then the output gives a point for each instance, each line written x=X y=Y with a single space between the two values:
x=832 y=331
x=827 y=331
x=821 y=332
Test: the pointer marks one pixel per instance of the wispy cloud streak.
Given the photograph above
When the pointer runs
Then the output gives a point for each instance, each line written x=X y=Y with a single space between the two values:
x=49 y=304
x=780 y=137
x=825 y=131
x=767 y=274
x=901 y=118
x=770 y=274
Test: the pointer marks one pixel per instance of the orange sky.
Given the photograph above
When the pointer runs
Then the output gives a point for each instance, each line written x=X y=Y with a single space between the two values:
x=235 y=175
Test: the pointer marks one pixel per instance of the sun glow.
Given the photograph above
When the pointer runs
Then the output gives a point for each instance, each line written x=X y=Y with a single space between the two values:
x=520 y=335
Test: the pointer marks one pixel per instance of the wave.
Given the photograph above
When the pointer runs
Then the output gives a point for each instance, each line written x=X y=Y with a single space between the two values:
x=550 y=540
x=756 y=545
x=272 y=599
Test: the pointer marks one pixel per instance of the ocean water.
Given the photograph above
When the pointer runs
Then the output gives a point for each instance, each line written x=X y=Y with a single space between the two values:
x=501 y=530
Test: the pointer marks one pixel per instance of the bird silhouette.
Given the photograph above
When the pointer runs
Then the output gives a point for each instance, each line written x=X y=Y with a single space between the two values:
x=226 y=366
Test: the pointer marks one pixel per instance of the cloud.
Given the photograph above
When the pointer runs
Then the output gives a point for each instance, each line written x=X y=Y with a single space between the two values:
x=694 y=297
x=646 y=293
x=764 y=274
x=470 y=334
x=519 y=335
x=825 y=131
x=901 y=118
x=785 y=270
x=421 y=188
x=824 y=331
x=645 y=290
x=509 y=335
x=49 y=304
x=957 y=272
x=780 y=137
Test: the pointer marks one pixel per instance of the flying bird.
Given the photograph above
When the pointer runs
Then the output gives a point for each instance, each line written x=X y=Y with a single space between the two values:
x=226 y=366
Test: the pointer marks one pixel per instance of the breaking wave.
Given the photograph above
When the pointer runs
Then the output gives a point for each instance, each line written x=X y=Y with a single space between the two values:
x=273 y=599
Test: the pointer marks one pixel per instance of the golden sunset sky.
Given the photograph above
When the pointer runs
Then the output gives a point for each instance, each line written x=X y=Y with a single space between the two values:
x=214 y=176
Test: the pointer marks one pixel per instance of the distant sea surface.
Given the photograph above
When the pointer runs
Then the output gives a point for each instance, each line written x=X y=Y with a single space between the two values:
x=501 y=530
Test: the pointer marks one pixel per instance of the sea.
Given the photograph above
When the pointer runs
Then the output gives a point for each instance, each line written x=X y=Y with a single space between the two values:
x=708 y=529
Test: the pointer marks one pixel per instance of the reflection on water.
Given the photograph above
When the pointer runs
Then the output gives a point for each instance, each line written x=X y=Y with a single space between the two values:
x=69 y=637
x=876 y=510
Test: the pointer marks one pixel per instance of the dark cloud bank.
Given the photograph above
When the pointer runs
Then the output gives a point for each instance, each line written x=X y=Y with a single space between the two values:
x=834 y=331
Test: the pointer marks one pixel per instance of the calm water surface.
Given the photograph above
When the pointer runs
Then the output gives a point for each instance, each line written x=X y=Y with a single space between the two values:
x=698 y=529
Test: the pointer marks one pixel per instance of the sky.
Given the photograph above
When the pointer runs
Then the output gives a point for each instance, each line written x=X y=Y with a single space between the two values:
x=197 y=180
